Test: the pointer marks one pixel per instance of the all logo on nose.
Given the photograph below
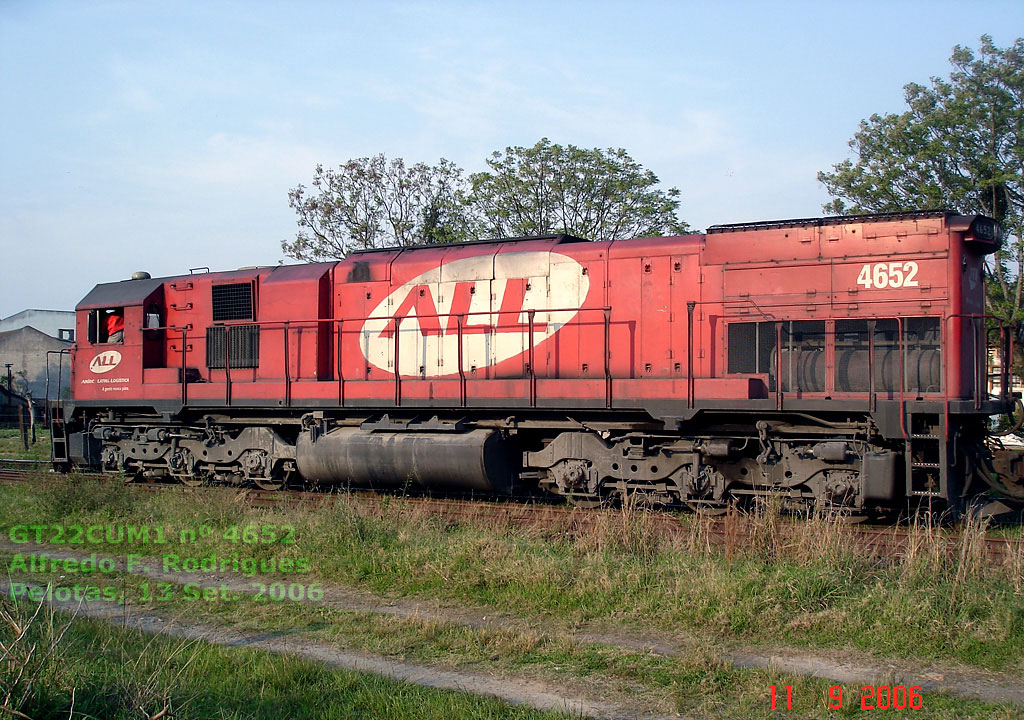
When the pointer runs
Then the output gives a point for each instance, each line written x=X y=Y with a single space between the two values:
x=105 y=362
x=488 y=306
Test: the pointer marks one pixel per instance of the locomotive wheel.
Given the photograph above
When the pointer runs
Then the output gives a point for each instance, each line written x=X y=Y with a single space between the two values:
x=182 y=466
x=279 y=479
x=585 y=502
x=190 y=481
x=269 y=483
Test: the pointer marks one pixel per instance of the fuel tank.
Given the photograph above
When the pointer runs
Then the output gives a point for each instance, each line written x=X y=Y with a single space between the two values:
x=479 y=459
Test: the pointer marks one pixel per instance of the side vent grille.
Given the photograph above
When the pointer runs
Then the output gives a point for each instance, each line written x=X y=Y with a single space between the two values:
x=243 y=346
x=232 y=302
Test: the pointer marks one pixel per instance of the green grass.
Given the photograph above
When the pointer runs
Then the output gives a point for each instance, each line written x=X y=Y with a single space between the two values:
x=695 y=682
x=11 y=445
x=811 y=594
x=101 y=671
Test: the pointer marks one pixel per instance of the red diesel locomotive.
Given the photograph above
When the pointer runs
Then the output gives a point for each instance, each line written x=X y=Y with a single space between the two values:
x=839 y=361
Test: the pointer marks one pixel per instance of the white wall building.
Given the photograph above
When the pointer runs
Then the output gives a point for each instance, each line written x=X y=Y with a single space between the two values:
x=55 y=323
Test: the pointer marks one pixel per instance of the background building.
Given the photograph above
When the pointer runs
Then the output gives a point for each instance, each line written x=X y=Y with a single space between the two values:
x=25 y=339
x=55 y=323
x=25 y=350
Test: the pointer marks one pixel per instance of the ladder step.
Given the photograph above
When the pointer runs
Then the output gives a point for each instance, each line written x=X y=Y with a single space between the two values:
x=58 y=443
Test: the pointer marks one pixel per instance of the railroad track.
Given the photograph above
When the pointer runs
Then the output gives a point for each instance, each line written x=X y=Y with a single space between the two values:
x=732 y=532
x=11 y=469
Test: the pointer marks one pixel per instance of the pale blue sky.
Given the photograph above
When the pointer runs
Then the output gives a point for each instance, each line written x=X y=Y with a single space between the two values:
x=161 y=136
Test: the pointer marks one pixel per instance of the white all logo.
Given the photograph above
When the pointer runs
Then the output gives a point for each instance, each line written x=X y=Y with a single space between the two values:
x=105 y=361
x=492 y=294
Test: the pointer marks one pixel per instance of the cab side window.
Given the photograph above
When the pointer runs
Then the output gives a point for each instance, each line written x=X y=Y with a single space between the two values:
x=106 y=326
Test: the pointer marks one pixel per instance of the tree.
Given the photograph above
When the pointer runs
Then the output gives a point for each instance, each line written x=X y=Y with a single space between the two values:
x=372 y=202
x=596 y=194
x=960 y=145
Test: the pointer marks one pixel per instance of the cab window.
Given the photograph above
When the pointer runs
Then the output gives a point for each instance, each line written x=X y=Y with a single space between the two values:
x=106 y=326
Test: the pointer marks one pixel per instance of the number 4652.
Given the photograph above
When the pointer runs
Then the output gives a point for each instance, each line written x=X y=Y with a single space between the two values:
x=891 y=274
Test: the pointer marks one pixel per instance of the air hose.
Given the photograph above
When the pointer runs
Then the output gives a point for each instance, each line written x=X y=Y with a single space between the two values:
x=1015 y=425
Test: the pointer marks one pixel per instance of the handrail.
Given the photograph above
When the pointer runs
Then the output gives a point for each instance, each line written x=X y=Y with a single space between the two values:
x=981 y=375
x=184 y=373
x=60 y=375
x=398 y=370
x=690 y=400
x=341 y=371
x=342 y=325
x=227 y=366
x=287 y=368
x=533 y=373
x=778 y=365
x=461 y=324
x=530 y=326
x=903 y=381
x=462 y=370
x=872 y=395
x=367 y=318
x=57 y=422
x=607 y=357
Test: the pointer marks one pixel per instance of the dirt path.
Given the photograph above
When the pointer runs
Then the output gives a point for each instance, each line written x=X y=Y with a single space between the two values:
x=839 y=666
x=513 y=690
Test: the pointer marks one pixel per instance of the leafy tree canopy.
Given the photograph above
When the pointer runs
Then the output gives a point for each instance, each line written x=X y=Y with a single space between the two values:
x=375 y=202
x=960 y=145
x=596 y=194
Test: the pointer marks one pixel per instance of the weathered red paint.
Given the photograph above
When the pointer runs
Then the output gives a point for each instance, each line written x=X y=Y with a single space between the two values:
x=623 y=330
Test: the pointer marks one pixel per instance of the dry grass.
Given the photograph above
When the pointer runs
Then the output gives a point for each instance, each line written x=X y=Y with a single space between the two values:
x=772 y=578
x=1015 y=568
x=23 y=652
x=53 y=665
x=33 y=648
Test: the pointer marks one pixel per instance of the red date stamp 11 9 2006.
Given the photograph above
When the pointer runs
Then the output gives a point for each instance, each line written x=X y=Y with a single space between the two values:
x=872 y=697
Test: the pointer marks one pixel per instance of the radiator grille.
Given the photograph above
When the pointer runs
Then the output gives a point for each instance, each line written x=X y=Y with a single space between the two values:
x=243 y=346
x=232 y=302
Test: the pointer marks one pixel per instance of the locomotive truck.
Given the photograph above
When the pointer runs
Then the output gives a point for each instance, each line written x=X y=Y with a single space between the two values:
x=838 y=362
